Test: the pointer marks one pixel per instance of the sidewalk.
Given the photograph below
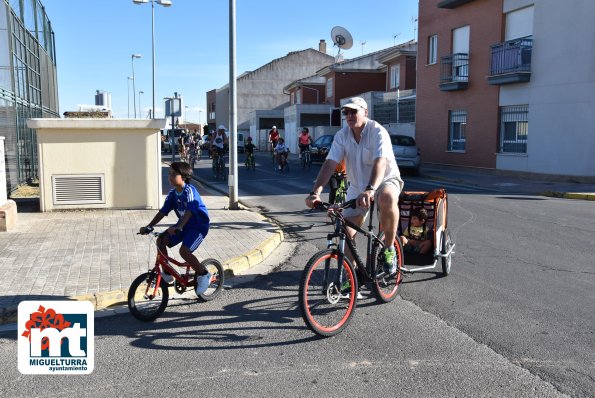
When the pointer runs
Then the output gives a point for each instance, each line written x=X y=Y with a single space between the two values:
x=512 y=182
x=95 y=254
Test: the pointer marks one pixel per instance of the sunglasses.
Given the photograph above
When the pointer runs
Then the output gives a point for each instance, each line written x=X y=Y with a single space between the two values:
x=349 y=112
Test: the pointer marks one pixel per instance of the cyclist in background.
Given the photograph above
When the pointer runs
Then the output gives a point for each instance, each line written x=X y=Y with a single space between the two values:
x=218 y=142
x=273 y=137
x=249 y=149
x=281 y=152
x=304 y=140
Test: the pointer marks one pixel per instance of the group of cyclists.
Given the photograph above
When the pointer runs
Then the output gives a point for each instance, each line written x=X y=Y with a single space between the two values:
x=189 y=146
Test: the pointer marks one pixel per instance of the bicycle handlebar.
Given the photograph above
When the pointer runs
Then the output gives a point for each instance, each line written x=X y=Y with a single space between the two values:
x=350 y=204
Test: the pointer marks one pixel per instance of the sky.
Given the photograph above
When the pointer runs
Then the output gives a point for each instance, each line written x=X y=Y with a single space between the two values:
x=95 y=40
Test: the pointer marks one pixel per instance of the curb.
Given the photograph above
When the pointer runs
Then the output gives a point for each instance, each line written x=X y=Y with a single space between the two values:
x=104 y=300
x=569 y=195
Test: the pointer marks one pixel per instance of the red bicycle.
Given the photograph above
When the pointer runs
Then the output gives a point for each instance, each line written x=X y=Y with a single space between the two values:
x=149 y=292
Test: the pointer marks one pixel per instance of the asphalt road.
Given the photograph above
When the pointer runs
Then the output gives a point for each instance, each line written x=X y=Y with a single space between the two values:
x=514 y=318
x=523 y=279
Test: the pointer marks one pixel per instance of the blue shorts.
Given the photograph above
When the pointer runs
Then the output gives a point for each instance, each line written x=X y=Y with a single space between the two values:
x=191 y=238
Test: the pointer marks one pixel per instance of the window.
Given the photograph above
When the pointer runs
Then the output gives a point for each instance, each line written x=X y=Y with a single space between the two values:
x=329 y=87
x=432 y=49
x=395 y=74
x=514 y=128
x=457 y=130
x=298 y=96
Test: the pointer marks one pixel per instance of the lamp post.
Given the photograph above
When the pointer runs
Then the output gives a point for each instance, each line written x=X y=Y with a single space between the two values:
x=186 y=115
x=133 y=85
x=128 y=81
x=164 y=3
x=140 y=113
x=199 y=112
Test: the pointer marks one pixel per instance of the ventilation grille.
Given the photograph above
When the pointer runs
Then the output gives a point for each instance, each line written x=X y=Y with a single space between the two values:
x=78 y=189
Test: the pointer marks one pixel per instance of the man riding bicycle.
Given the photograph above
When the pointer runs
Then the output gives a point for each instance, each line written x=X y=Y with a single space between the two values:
x=372 y=171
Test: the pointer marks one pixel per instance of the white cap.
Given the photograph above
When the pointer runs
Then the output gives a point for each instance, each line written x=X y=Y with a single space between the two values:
x=356 y=103
x=221 y=127
x=274 y=127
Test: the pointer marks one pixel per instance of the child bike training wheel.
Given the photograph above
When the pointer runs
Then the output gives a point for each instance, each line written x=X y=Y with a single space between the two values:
x=387 y=286
x=146 y=301
x=326 y=299
x=446 y=247
x=217 y=280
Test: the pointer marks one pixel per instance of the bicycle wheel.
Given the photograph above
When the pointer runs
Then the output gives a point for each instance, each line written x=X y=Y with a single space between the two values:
x=253 y=161
x=386 y=287
x=146 y=301
x=308 y=160
x=217 y=280
x=326 y=307
x=446 y=247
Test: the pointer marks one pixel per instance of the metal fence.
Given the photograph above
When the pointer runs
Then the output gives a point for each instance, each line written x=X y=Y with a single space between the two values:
x=511 y=56
x=514 y=129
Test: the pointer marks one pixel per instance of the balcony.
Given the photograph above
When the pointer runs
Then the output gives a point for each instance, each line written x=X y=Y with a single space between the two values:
x=454 y=72
x=452 y=3
x=511 y=62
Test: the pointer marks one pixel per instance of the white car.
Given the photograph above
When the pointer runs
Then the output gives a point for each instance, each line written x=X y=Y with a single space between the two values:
x=406 y=152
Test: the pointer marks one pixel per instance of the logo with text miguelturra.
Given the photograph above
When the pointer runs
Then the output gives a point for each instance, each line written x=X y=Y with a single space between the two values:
x=56 y=337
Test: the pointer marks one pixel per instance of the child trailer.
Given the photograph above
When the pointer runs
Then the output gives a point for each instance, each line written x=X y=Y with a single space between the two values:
x=436 y=205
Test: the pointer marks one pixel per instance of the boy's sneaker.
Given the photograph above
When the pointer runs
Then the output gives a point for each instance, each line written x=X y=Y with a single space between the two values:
x=202 y=283
x=389 y=258
x=167 y=277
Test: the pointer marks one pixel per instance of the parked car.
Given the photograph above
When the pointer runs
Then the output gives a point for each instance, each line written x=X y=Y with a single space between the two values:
x=406 y=152
x=320 y=147
x=240 y=143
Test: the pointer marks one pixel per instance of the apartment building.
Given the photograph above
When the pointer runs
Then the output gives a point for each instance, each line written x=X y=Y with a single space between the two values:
x=507 y=85
x=262 y=88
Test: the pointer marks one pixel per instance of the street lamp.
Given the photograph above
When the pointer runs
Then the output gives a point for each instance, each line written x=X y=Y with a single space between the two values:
x=140 y=113
x=164 y=3
x=128 y=81
x=133 y=85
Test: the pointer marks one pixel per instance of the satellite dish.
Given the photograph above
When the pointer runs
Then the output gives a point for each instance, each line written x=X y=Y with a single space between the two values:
x=342 y=38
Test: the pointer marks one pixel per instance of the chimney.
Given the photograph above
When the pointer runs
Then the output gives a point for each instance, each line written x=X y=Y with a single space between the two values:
x=322 y=46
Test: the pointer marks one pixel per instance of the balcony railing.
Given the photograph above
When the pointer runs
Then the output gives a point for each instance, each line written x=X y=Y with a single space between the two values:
x=511 y=61
x=454 y=72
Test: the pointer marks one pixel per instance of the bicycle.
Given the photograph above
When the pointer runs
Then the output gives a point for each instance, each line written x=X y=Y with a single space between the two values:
x=284 y=164
x=193 y=154
x=219 y=164
x=149 y=293
x=250 y=162
x=329 y=284
x=306 y=159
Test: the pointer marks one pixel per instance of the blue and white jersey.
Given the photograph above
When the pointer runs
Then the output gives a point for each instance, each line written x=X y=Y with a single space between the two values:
x=188 y=200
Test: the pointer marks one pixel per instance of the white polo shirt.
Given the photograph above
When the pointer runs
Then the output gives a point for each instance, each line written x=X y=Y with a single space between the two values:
x=359 y=158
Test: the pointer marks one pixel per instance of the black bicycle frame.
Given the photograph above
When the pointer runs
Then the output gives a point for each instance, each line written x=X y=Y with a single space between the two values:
x=340 y=224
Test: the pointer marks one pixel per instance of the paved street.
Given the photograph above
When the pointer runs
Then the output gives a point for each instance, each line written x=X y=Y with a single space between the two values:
x=512 y=320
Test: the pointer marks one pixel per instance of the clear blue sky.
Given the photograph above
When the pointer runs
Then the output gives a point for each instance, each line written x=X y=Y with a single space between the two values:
x=96 y=38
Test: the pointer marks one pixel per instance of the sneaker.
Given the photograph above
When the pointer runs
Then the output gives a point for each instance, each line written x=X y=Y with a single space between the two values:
x=390 y=261
x=359 y=296
x=167 y=277
x=202 y=283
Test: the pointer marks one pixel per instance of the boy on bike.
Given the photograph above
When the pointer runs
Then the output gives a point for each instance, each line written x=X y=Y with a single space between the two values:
x=281 y=152
x=192 y=226
x=249 y=149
